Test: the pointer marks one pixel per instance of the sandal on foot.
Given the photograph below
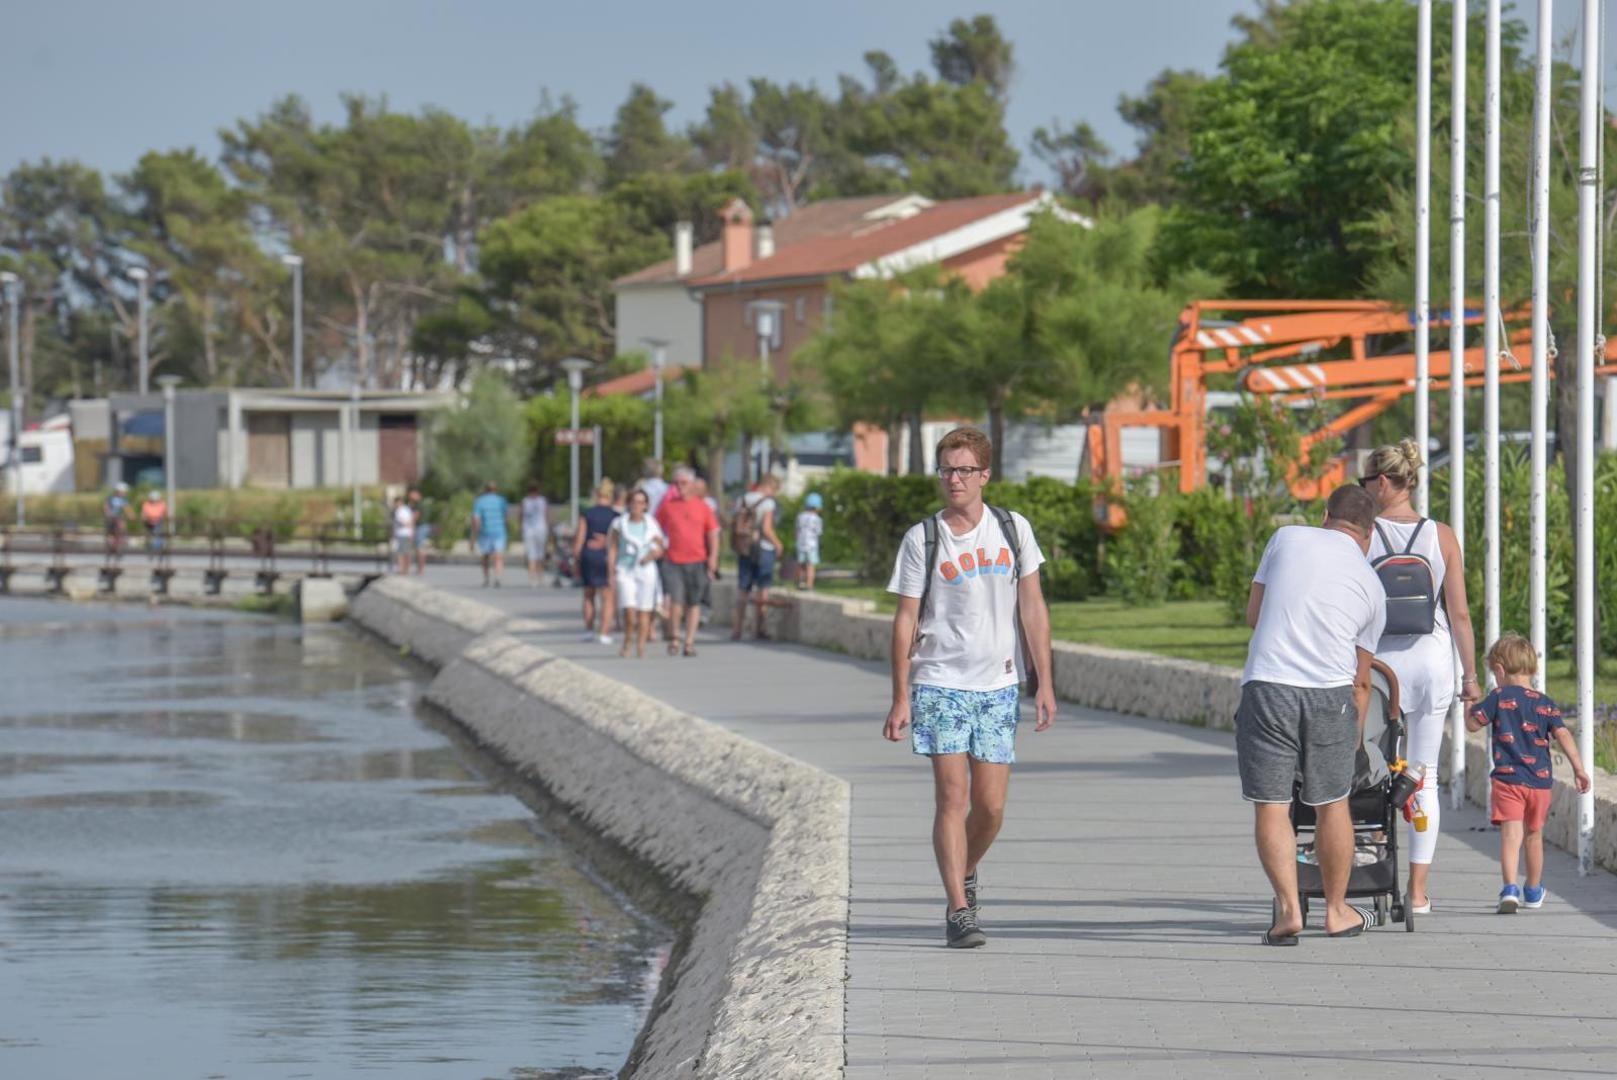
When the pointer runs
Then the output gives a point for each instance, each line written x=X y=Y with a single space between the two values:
x=673 y=648
x=1272 y=938
x=1368 y=916
x=690 y=650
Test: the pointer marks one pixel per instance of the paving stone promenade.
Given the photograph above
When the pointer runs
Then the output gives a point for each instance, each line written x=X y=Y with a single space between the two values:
x=1123 y=904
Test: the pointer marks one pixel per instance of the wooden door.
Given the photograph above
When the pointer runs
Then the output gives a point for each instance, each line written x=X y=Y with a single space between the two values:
x=269 y=449
x=396 y=448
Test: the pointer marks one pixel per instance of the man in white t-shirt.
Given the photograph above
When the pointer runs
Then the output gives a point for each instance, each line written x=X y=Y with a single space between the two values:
x=958 y=659
x=1317 y=610
x=535 y=531
x=403 y=534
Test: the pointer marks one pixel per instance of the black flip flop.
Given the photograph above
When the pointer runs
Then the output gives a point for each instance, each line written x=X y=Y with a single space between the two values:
x=1366 y=914
x=1272 y=938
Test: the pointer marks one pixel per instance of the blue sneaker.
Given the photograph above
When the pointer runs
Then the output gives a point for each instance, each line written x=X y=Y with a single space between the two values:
x=1533 y=896
x=1510 y=898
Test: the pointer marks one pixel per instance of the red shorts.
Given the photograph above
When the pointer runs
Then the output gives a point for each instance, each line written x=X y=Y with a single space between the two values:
x=1516 y=802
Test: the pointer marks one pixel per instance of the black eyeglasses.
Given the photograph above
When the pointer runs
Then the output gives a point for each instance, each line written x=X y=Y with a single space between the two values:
x=965 y=472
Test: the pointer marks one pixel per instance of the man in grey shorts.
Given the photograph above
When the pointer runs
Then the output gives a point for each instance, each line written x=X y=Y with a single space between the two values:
x=1316 y=610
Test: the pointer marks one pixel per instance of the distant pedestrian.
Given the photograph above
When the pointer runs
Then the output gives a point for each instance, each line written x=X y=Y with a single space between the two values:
x=489 y=511
x=535 y=532
x=1523 y=722
x=692 y=557
x=810 y=526
x=115 y=519
x=153 y=515
x=423 y=530
x=970 y=614
x=756 y=546
x=1421 y=650
x=1317 y=611
x=403 y=534
x=653 y=484
x=590 y=544
x=636 y=544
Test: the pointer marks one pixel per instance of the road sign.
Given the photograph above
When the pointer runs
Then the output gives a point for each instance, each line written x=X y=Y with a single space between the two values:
x=581 y=436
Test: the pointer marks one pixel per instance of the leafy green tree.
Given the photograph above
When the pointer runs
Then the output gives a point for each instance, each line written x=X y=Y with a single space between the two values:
x=783 y=138
x=974 y=51
x=483 y=438
x=718 y=407
x=640 y=142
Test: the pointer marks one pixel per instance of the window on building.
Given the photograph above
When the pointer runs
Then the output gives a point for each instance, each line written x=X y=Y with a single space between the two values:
x=33 y=455
x=802 y=306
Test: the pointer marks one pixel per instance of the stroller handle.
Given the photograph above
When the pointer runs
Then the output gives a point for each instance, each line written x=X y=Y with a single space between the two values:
x=1392 y=685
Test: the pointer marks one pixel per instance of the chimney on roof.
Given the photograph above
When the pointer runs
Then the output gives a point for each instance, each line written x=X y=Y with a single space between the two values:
x=765 y=239
x=737 y=235
x=684 y=235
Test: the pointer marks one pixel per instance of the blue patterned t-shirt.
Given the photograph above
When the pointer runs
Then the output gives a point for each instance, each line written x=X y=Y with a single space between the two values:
x=1523 y=721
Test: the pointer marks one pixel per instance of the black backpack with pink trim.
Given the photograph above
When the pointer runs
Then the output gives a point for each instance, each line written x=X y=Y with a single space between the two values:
x=1411 y=585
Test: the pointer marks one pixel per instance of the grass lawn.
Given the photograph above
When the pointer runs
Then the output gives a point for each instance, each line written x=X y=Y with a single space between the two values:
x=1198 y=630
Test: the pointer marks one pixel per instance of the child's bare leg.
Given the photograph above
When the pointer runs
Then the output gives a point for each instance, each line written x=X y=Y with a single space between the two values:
x=1533 y=848
x=1510 y=847
x=809 y=579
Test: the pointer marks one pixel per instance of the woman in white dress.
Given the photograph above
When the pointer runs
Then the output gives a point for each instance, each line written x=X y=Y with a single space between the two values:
x=636 y=544
x=1424 y=663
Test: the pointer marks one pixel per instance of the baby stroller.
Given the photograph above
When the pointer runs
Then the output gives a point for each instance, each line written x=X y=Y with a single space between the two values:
x=1376 y=803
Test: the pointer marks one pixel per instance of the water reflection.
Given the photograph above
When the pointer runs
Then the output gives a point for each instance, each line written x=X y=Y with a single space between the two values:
x=216 y=860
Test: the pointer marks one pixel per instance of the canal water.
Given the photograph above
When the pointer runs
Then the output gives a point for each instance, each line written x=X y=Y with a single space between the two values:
x=233 y=848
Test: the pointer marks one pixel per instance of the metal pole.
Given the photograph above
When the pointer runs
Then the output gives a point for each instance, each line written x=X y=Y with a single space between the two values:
x=1588 y=335
x=169 y=457
x=1423 y=247
x=353 y=454
x=573 y=381
x=1540 y=218
x=1457 y=359
x=596 y=453
x=297 y=324
x=13 y=289
x=659 y=360
x=1490 y=338
x=145 y=355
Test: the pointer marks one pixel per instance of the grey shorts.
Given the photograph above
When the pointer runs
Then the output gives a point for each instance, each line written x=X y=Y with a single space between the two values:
x=1284 y=731
x=685 y=583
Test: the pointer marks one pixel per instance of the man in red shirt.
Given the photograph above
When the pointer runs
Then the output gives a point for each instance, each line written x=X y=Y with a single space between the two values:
x=693 y=556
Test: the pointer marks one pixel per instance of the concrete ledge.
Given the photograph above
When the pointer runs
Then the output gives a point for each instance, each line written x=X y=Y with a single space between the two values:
x=1143 y=684
x=762 y=840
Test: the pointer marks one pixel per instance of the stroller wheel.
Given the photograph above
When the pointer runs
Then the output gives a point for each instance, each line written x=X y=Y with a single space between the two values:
x=1383 y=908
x=1409 y=915
x=1302 y=909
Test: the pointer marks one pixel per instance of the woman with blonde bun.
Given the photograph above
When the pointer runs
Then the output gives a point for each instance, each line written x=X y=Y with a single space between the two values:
x=1424 y=663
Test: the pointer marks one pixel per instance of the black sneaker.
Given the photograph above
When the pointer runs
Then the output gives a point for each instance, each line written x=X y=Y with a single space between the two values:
x=971 y=894
x=961 y=931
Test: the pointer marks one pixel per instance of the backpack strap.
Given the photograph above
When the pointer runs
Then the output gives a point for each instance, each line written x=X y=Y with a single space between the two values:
x=929 y=534
x=1385 y=542
x=1007 y=525
x=1419 y=525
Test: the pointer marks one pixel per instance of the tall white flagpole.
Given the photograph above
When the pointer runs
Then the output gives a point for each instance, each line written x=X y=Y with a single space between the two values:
x=1588 y=335
x=1423 y=247
x=1457 y=358
x=1541 y=329
x=1490 y=336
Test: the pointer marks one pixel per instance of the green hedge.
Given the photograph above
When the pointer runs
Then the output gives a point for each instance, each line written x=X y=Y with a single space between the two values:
x=196 y=511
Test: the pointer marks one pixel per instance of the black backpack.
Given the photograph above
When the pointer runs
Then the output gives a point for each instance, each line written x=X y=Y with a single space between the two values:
x=1411 y=586
x=929 y=530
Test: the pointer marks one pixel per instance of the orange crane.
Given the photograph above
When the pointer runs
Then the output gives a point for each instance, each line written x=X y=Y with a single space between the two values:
x=1249 y=338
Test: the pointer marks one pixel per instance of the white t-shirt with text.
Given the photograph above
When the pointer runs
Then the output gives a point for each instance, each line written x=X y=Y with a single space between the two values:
x=968 y=630
x=403 y=522
x=1321 y=603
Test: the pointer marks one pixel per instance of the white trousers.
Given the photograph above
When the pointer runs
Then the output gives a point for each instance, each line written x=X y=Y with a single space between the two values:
x=1424 y=742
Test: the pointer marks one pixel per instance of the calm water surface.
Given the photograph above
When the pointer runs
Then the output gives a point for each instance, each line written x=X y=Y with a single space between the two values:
x=230 y=848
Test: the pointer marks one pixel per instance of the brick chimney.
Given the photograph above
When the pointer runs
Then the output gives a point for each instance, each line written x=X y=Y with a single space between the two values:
x=765 y=242
x=737 y=235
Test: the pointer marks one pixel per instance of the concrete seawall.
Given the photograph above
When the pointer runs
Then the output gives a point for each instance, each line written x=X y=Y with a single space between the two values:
x=759 y=839
x=1142 y=684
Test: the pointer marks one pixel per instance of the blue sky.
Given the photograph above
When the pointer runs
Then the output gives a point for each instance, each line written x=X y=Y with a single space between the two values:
x=102 y=82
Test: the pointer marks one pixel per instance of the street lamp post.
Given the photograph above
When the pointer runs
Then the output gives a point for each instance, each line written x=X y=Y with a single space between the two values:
x=13 y=287
x=353 y=453
x=764 y=314
x=168 y=383
x=659 y=362
x=296 y=263
x=138 y=275
x=575 y=368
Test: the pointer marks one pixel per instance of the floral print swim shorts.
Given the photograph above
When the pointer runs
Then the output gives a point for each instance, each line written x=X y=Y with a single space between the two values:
x=981 y=723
